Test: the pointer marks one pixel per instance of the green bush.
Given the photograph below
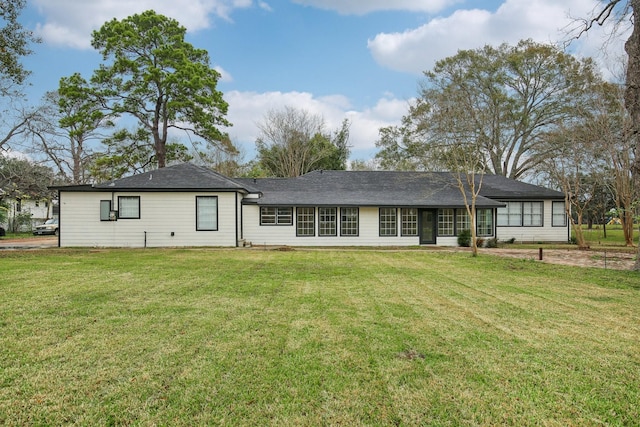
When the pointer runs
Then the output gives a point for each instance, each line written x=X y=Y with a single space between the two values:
x=492 y=243
x=464 y=238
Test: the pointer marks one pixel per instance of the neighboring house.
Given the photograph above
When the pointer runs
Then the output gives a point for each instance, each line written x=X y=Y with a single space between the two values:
x=23 y=214
x=188 y=205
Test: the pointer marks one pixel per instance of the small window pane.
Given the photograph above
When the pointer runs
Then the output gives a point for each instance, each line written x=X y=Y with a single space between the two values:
x=388 y=222
x=532 y=214
x=463 y=220
x=305 y=222
x=129 y=207
x=349 y=221
x=105 y=210
x=409 y=222
x=327 y=222
x=206 y=213
x=559 y=214
x=285 y=216
x=445 y=222
x=485 y=222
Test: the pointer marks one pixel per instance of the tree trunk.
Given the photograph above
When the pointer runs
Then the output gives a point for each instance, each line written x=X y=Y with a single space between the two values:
x=632 y=94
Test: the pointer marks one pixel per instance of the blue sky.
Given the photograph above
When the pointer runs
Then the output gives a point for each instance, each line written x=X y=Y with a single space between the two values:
x=355 y=59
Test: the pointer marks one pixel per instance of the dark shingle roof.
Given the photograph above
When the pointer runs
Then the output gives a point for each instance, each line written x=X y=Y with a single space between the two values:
x=184 y=176
x=386 y=188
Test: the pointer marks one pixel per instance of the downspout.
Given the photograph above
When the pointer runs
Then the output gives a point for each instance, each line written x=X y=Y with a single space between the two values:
x=237 y=231
x=59 y=215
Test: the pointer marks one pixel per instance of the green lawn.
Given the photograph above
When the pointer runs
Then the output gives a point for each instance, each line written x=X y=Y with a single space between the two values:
x=295 y=338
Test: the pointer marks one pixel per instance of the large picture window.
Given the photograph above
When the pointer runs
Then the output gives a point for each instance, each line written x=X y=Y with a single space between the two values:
x=305 y=222
x=559 y=215
x=388 y=222
x=206 y=213
x=349 y=221
x=129 y=207
x=327 y=222
x=276 y=215
x=409 y=225
x=520 y=214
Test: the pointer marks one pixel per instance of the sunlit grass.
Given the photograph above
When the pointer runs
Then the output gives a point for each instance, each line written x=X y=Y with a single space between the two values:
x=318 y=337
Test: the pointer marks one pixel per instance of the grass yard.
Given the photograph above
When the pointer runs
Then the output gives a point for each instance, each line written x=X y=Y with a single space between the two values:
x=307 y=338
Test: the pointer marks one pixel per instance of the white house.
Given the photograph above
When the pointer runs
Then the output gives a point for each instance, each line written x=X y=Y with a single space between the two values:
x=188 y=205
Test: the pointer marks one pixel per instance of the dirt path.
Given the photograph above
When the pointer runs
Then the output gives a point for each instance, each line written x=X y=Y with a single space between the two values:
x=617 y=260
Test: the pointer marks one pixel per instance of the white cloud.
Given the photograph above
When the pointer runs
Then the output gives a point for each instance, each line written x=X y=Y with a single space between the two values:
x=70 y=22
x=546 y=21
x=247 y=109
x=361 y=7
x=225 y=76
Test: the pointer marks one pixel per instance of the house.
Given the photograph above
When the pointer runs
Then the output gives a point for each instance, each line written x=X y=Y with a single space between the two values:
x=189 y=205
x=23 y=214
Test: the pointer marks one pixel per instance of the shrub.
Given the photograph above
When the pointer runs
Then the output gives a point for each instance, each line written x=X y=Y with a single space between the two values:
x=464 y=238
x=492 y=243
x=479 y=242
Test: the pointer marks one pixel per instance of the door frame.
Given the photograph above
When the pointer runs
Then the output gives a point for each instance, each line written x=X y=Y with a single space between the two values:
x=434 y=227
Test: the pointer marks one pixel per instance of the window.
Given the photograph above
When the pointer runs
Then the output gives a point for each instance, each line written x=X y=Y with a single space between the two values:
x=206 y=213
x=276 y=216
x=532 y=214
x=327 y=221
x=306 y=222
x=559 y=216
x=105 y=210
x=446 y=222
x=485 y=222
x=388 y=222
x=510 y=215
x=348 y=221
x=129 y=207
x=463 y=220
x=409 y=222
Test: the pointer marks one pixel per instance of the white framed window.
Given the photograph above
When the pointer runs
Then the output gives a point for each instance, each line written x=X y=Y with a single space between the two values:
x=446 y=222
x=128 y=207
x=388 y=221
x=327 y=222
x=305 y=222
x=532 y=214
x=276 y=215
x=206 y=213
x=558 y=214
x=349 y=222
x=484 y=219
x=409 y=218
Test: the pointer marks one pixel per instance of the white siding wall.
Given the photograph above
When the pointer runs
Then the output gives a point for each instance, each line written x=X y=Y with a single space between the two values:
x=286 y=234
x=546 y=233
x=160 y=215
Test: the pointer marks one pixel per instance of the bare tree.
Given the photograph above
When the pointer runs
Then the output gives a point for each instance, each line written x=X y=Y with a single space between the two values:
x=619 y=10
x=293 y=142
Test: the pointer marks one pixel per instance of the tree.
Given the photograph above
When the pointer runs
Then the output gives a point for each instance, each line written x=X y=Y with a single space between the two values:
x=159 y=79
x=68 y=120
x=130 y=152
x=293 y=142
x=610 y=125
x=516 y=94
x=14 y=44
x=21 y=178
x=620 y=10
